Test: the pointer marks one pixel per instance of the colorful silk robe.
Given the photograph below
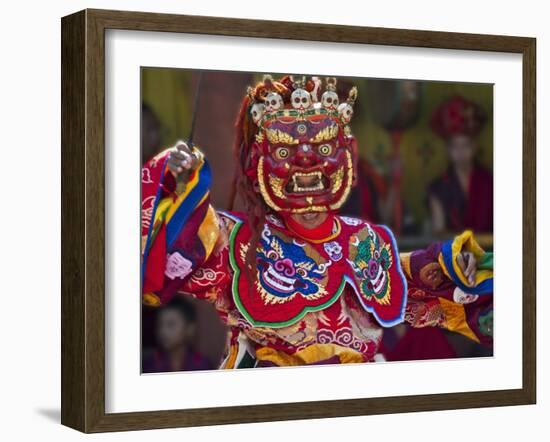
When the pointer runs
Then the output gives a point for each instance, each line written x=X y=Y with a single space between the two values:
x=307 y=301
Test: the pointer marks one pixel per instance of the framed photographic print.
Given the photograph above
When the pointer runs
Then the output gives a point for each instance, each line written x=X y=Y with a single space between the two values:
x=269 y=220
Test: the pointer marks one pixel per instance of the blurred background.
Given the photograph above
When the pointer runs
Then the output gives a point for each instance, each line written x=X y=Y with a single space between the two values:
x=424 y=184
x=398 y=147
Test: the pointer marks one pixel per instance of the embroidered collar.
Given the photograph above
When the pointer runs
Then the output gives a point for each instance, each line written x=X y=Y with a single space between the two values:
x=295 y=276
x=329 y=229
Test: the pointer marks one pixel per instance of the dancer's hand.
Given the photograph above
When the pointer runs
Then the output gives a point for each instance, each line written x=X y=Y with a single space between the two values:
x=468 y=264
x=182 y=162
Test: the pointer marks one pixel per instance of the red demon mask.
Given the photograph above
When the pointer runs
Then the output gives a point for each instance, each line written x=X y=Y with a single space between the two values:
x=303 y=156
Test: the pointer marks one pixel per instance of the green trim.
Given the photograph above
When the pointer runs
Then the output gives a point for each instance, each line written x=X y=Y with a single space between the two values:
x=242 y=309
x=160 y=221
x=486 y=261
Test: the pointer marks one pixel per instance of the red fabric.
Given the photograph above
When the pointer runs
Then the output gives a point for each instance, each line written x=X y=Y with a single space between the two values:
x=151 y=175
x=254 y=307
x=153 y=278
x=158 y=183
x=421 y=344
x=479 y=207
x=189 y=245
x=323 y=230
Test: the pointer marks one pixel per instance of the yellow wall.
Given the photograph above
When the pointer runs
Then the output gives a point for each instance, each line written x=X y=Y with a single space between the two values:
x=168 y=92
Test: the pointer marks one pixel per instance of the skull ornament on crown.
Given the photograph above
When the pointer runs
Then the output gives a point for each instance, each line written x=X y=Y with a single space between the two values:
x=329 y=99
x=296 y=152
x=346 y=112
x=273 y=102
x=257 y=111
x=300 y=99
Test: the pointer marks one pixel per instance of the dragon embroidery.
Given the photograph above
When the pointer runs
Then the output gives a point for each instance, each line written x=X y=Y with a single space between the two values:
x=287 y=268
x=371 y=259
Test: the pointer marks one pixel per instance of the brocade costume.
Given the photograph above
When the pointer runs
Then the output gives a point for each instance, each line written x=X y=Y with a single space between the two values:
x=292 y=295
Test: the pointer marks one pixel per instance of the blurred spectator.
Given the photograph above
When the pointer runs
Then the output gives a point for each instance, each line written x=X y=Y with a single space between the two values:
x=368 y=194
x=151 y=133
x=175 y=332
x=462 y=198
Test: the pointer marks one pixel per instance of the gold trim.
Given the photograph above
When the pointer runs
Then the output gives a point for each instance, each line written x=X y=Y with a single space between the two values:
x=263 y=190
x=455 y=318
x=209 y=231
x=349 y=183
x=151 y=300
x=276 y=136
x=326 y=134
x=310 y=355
x=337 y=178
x=231 y=358
x=277 y=186
x=405 y=259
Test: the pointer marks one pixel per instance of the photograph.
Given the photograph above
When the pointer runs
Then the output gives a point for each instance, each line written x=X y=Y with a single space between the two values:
x=294 y=219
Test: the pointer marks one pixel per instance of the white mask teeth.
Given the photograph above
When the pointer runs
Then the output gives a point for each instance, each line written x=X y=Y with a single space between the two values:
x=297 y=188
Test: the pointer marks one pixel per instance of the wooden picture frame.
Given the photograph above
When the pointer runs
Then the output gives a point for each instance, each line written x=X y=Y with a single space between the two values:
x=83 y=219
